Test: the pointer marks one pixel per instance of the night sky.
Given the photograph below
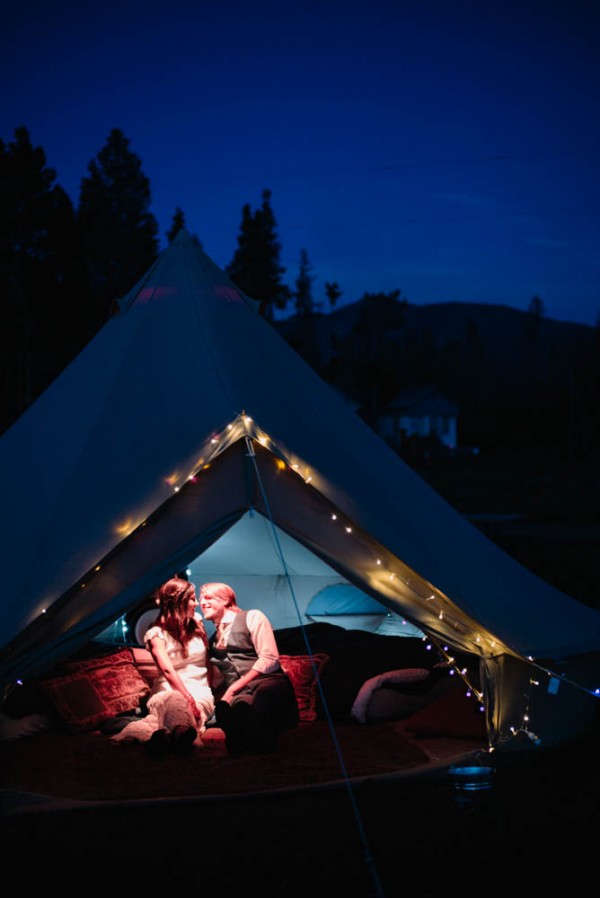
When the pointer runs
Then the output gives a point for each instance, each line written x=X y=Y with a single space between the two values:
x=445 y=149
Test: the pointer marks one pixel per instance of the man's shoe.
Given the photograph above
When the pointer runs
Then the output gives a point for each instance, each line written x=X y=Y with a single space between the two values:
x=255 y=735
x=182 y=740
x=223 y=714
x=227 y=721
x=158 y=745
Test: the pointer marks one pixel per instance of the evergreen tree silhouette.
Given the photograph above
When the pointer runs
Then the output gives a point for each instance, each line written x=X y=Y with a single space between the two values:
x=118 y=231
x=39 y=276
x=255 y=268
x=177 y=223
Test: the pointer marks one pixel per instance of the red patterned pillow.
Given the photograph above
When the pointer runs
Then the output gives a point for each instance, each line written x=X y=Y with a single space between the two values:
x=301 y=671
x=86 y=698
x=123 y=656
x=145 y=664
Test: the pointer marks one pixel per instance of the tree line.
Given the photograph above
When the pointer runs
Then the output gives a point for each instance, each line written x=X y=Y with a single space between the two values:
x=62 y=267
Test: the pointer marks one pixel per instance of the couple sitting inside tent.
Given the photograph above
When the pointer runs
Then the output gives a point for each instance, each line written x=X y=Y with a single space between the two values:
x=235 y=676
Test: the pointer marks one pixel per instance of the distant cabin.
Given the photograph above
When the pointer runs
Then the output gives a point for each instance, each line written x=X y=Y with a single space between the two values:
x=422 y=412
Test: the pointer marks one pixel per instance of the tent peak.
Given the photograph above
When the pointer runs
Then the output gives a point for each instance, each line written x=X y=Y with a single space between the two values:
x=182 y=236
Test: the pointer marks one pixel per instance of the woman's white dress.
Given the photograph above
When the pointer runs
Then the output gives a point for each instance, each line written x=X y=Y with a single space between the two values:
x=167 y=708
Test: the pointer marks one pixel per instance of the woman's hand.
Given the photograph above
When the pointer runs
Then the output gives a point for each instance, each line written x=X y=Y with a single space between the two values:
x=194 y=707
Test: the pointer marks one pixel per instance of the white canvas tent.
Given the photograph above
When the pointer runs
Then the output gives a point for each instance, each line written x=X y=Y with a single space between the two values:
x=187 y=411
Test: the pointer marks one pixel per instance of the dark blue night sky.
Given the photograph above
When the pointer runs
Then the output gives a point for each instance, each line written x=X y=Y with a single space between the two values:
x=445 y=149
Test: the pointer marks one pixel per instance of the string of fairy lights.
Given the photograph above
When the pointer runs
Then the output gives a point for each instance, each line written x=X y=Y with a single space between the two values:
x=433 y=612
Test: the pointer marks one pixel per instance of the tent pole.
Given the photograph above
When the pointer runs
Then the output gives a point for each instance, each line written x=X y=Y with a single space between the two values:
x=359 y=822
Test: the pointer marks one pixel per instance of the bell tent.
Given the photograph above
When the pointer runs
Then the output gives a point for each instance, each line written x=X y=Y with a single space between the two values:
x=188 y=414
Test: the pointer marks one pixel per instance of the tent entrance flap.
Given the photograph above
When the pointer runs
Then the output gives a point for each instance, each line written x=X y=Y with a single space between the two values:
x=184 y=526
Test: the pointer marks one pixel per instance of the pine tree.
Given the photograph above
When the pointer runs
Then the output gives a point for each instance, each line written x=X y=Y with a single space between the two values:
x=366 y=361
x=305 y=304
x=332 y=292
x=533 y=319
x=177 y=223
x=118 y=231
x=255 y=267
x=39 y=284
x=305 y=334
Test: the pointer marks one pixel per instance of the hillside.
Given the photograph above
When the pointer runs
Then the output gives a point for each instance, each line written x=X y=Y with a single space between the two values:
x=515 y=377
x=528 y=394
x=498 y=341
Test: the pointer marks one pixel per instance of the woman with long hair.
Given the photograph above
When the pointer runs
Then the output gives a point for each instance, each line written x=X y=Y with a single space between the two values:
x=181 y=700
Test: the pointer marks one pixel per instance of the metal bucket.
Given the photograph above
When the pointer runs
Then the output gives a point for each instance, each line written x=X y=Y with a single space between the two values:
x=471 y=778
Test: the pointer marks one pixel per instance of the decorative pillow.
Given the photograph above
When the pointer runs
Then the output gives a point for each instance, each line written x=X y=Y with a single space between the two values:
x=88 y=697
x=389 y=703
x=453 y=714
x=390 y=677
x=145 y=664
x=123 y=656
x=301 y=671
x=11 y=729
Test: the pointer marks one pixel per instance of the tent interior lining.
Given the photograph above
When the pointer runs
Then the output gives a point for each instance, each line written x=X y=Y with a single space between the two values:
x=269 y=569
x=196 y=516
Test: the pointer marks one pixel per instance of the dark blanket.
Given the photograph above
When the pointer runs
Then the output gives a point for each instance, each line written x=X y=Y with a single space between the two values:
x=88 y=766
